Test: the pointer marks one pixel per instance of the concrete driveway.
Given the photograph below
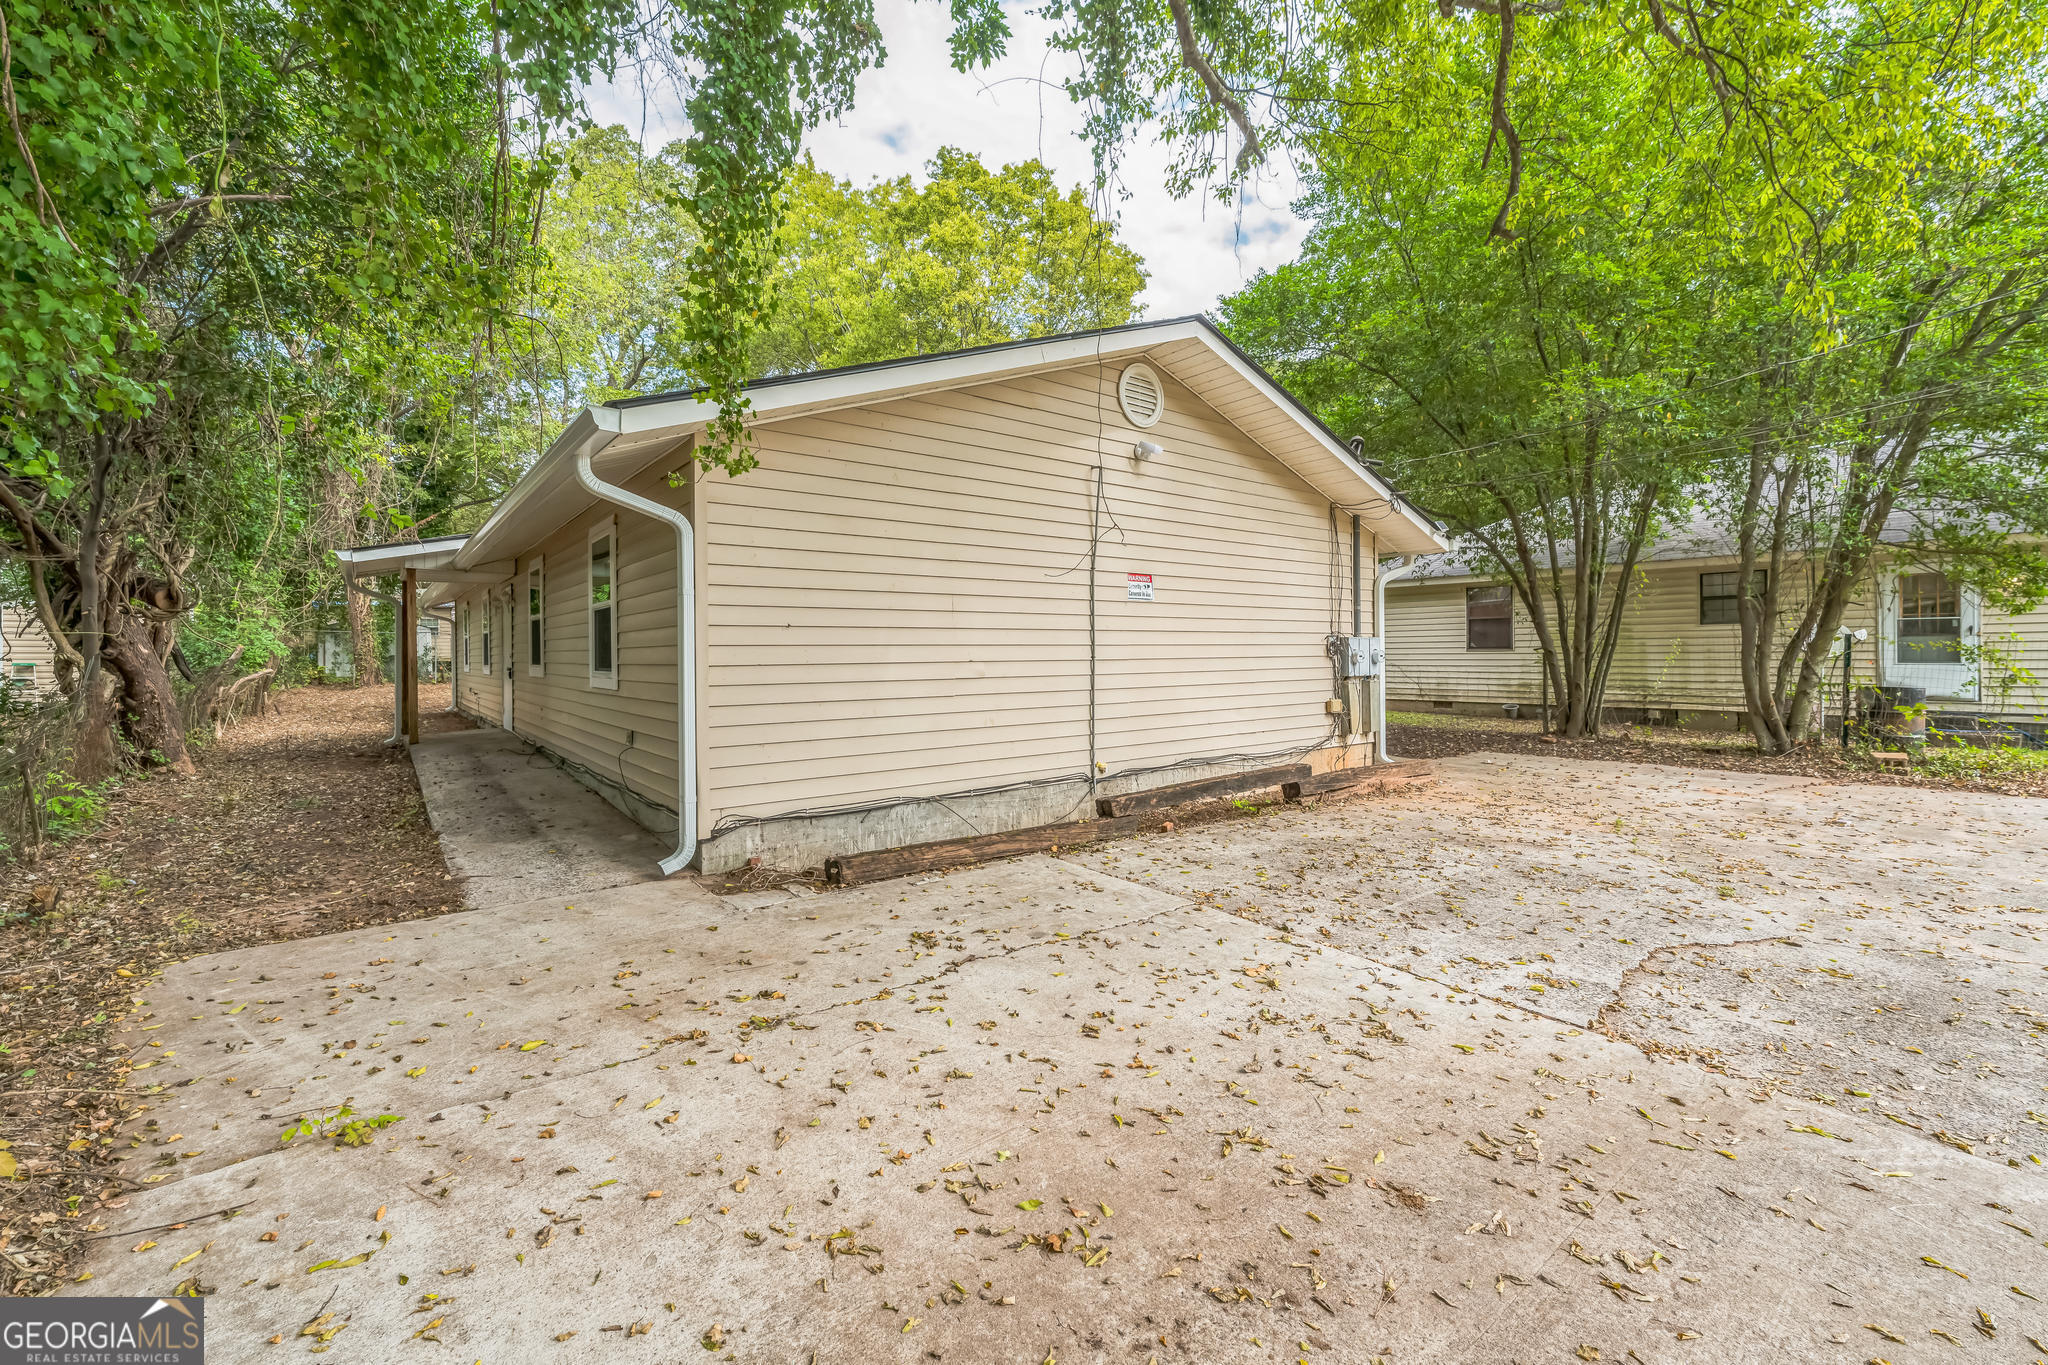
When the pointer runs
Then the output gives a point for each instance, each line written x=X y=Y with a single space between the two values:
x=1270 y=1090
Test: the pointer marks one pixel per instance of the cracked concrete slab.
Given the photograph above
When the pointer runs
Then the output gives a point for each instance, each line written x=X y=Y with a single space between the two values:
x=1135 y=1104
x=1793 y=931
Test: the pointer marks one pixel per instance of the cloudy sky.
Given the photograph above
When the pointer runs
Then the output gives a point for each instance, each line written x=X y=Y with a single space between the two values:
x=1195 y=249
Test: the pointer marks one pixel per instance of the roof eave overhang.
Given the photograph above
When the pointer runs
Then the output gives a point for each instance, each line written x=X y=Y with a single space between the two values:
x=623 y=439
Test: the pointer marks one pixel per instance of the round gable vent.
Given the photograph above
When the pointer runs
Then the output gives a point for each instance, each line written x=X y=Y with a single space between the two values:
x=1140 y=394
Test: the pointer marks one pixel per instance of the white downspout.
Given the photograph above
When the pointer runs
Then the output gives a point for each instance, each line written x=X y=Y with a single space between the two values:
x=1409 y=568
x=686 y=639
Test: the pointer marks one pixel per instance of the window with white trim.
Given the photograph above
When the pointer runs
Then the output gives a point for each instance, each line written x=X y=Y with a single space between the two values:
x=468 y=617
x=604 y=604
x=490 y=610
x=1489 y=618
x=536 y=637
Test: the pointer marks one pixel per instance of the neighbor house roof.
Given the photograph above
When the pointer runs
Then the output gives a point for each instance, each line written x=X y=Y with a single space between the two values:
x=625 y=436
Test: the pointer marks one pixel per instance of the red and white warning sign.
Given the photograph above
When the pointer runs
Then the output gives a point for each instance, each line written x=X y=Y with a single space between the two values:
x=1140 y=587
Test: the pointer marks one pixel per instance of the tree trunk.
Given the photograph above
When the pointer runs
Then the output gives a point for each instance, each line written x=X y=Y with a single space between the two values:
x=96 y=752
x=150 y=712
x=362 y=641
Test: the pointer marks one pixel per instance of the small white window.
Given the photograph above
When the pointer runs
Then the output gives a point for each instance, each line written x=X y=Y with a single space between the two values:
x=604 y=612
x=536 y=637
x=490 y=610
x=468 y=617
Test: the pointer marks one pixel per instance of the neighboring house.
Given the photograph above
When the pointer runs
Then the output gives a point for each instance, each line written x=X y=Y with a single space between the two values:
x=960 y=594
x=28 y=657
x=1459 y=640
x=334 y=653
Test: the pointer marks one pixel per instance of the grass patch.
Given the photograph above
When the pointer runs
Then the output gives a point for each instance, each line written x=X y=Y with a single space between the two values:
x=1448 y=720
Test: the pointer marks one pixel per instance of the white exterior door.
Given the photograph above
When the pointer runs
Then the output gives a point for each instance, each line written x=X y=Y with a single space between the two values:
x=1930 y=634
x=505 y=663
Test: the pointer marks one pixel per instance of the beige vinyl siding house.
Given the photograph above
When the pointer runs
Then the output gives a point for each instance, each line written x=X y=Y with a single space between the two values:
x=898 y=597
x=957 y=595
x=1675 y=665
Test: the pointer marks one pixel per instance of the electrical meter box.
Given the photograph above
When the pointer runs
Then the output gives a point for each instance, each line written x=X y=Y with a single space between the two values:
x=1363 y=656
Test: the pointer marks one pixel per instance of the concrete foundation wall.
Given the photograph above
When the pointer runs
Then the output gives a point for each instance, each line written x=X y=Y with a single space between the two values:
x=791 y=845
x=794 y=843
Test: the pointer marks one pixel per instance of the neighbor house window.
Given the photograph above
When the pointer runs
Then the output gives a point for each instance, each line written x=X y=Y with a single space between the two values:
x=534 y=637
x=1720 y=592
x=604 y=612
x=1930 y=619
x=490 y=610
x=25 y=674
x=1489 y=618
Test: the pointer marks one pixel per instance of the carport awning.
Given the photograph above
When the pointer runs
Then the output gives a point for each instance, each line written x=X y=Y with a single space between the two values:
x=433 y=560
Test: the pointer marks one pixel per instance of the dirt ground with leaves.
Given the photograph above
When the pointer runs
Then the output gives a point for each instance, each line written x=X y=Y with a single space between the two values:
x=1546 y=1061
x=1446 y=734
x=299 y=823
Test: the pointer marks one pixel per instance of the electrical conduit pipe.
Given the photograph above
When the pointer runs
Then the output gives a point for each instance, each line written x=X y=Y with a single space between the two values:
x=686 y=640
x=1408 y=569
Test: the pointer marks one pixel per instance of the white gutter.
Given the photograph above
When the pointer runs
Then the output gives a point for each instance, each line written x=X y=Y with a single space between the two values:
x=607 y=420
x=1409 y=568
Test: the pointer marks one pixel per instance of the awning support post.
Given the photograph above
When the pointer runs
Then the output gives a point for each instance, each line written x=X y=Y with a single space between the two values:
x=408 y=651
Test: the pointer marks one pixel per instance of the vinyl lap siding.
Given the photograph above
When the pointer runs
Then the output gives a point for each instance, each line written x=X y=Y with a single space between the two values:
x=896 y=601
x=1427 y=660
x=1665 y=658
x=24 y=642
x=625 y=737
x=2022 y=638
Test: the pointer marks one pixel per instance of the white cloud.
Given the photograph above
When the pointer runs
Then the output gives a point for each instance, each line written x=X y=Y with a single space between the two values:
x=1196 y=249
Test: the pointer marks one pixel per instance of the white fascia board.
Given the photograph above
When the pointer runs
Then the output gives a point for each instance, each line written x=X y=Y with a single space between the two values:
x=881 y=384
x=381 y=559
x=481 y=575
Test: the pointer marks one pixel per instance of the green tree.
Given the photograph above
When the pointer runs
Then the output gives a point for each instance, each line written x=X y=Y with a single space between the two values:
x=895 y=268
x=603 y=299
x=205 y=211
x=968 y=258
x=1917 y=433
x=1527 y=391
x=1645 y=329
x=1805 y=96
